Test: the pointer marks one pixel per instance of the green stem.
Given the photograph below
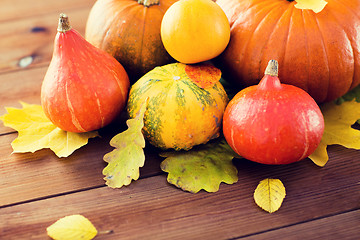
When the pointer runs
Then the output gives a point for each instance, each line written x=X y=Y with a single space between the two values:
x=64 y=24
x=148 y=3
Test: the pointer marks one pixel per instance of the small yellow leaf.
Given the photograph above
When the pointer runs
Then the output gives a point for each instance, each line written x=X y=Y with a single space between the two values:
x=36 y=132
x=338 y=120
x=269 y=194
x=128 y=157
x=72 y=227
x=315 y=5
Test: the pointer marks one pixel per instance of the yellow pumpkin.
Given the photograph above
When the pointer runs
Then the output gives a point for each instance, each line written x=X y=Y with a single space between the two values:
x=194 y=31
x=180 y=114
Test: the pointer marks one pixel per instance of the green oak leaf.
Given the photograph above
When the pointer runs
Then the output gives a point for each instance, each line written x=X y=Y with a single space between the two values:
x=204 y=167
x=128 y=157
x=349 y=96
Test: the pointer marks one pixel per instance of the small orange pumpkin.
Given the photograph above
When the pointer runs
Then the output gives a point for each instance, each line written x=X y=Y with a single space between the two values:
x=130 y=31
x=84 y=88
x=318 y=52
x=273 y=123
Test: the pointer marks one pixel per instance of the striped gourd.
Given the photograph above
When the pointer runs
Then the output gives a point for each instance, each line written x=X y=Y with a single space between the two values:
x=179 y=114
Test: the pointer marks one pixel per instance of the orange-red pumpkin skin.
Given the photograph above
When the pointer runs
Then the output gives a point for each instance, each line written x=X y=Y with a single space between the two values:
x=273 y=123
x=130 y=32
x=318 y=52
x=84 y=88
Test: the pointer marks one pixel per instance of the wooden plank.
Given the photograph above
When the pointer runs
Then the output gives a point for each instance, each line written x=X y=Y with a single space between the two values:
x=28 y=42
x=20 y=86
x=13 y=10
x=29 y=176
x=169 y=213
x=342 y=226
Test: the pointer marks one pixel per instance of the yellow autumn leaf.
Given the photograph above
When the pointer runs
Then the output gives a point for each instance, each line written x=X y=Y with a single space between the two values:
x=36 y=131
x=315 y=5
x=72 y=227
x=338 y=121
x=269 y=194
x=128 y=155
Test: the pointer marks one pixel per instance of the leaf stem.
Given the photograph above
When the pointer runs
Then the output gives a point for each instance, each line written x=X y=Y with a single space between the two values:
x=105 y=232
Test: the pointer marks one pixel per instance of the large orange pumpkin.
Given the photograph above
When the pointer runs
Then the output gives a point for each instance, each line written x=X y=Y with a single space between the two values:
x=318 y=52
x=130 y=31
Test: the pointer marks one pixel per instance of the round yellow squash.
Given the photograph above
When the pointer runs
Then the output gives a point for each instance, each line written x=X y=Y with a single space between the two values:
x=179 y=113
x=194 y=31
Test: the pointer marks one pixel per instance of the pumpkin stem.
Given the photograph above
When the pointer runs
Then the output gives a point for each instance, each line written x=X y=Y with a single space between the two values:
x=148 y=3
x=64 y=24
x=272 y=68
x=270 y=79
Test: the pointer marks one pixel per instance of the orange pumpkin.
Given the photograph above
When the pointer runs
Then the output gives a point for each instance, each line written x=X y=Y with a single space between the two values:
x=130 y=31
x=318 y=52
x=273 y=123
x=84 y=88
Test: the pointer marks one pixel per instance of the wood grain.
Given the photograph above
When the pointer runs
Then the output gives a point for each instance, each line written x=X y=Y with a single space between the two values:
x=29 y=176
x=33 y=38
x=342 y=226
x=169 y=213
x=19 y=86
x=13 y=10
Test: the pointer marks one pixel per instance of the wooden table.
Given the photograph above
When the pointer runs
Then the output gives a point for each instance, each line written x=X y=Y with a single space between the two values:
x=37 y=189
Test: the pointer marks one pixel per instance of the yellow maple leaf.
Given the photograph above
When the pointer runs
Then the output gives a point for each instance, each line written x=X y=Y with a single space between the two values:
x=338 y=121
x=72 y=227
x=269 y=194
x=36 y=132
x=128 y=155
x=315 y=5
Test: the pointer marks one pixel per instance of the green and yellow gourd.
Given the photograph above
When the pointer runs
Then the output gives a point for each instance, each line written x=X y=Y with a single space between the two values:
x=179 y=113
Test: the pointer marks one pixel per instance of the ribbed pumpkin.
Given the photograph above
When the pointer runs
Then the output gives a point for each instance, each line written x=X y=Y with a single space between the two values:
x=130 y=31
x=179 y=114
x=318 y=52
